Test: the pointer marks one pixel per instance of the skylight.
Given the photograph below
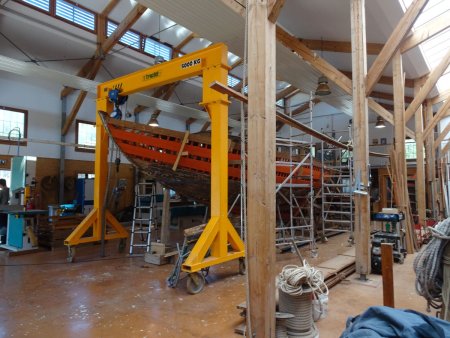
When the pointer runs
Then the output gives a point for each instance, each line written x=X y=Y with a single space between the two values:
x=129 y=38
x=42 y=4
x=75 y=14
x=156 y=48
x=434 y=49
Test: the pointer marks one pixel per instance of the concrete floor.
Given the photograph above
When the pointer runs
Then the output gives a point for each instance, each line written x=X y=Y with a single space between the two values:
x=119 y=296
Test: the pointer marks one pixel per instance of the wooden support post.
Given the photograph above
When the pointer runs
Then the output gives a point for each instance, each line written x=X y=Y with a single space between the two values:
x=387 y=262
x=165 y=219
x=420 y=164
x=360 y=136
x=261 y=170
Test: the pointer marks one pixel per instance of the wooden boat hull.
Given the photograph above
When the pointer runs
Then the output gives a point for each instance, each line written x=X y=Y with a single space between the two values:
x=155 y=150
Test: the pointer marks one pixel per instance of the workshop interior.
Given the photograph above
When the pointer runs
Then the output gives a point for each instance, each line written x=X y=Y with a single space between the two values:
x=225 y=168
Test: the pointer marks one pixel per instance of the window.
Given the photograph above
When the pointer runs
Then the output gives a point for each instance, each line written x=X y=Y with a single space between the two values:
x=410 y=150
x=156 y=48
x=280 y=103
x=41 y=4
x=232 y=81
x=85 y=136
x=130 y=38
x=13 y=125
x=75 y=14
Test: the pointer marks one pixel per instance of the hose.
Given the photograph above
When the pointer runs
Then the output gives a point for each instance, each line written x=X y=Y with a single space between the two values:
x=428 y=268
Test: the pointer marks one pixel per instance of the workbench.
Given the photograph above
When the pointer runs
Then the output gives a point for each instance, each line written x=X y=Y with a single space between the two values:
x=21 y=227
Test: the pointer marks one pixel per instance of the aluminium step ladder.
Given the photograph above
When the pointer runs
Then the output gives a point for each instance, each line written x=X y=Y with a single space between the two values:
x=143 y=217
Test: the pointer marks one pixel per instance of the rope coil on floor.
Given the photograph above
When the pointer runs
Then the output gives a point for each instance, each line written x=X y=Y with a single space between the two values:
x=298 y=285
x=428 y=265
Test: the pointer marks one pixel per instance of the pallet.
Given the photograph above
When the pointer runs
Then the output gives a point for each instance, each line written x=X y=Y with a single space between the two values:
x=53 y=230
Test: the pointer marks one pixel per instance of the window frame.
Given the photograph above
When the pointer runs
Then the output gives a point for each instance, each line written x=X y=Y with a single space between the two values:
x=73 y=22
x=82 y=149
x=25 y=127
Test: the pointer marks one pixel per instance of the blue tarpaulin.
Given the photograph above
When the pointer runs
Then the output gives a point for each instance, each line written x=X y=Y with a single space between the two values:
x=386 y=322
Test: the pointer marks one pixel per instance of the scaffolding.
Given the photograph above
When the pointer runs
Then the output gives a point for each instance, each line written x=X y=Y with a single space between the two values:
x=295 y=201
x=337 y=193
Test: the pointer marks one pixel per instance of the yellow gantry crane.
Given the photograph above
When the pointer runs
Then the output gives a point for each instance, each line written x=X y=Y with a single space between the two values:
x=219 y=237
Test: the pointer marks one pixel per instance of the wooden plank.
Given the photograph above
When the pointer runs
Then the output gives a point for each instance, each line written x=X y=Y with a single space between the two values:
x=443 y=110
x=275 y=7
x=428 y=85
x=425 y=32
x=360 y=136
x=393 y=43
x=261 y=170
x=180 y=152
x=400 y=136
x=387 y=268
x=430 y=158
x=420 y=164
x=340 y=46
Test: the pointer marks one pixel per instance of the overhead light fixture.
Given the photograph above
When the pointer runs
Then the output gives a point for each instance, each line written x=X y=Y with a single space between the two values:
x=153 y=121
x=322 y=87
x=380 y=123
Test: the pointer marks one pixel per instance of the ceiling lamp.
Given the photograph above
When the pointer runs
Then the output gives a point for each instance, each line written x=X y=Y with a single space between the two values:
x=322 y=87
x=153 y=121
x=380 y=123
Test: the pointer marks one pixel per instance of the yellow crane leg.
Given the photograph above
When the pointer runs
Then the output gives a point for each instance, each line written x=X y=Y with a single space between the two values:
x=219 y=232
x=98 y=214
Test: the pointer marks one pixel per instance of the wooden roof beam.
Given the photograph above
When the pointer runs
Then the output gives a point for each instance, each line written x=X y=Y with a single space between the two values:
x=330 y=72
x=275 y=7
x=177 y=49
x=166 y=97
x=441 y=136
x=387 y=80
x=103 y=49
x=443 y=110
x=428 y=86
x=288 y=91
x=441 y=97
x=340 y=46
x=427 y=31
x=388 y=96
x=393 y=44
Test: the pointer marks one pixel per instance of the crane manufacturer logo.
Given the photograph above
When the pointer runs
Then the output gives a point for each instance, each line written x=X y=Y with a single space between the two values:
x=191 y=63
x=151 y=75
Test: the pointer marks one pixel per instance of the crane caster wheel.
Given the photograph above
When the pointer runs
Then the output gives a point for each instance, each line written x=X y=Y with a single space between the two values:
x=195 y=282
x=242 y=269
x=70 y=254
x=122 y=245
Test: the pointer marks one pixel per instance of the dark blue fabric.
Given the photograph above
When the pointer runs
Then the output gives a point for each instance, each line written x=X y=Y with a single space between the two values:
x=385 y=322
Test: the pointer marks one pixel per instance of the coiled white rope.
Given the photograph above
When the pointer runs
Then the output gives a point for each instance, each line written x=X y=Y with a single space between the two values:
x=295 y=280
x=428 y=265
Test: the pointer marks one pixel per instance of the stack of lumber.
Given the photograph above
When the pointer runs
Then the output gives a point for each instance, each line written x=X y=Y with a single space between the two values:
x=399 y=181
x=53 y=230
